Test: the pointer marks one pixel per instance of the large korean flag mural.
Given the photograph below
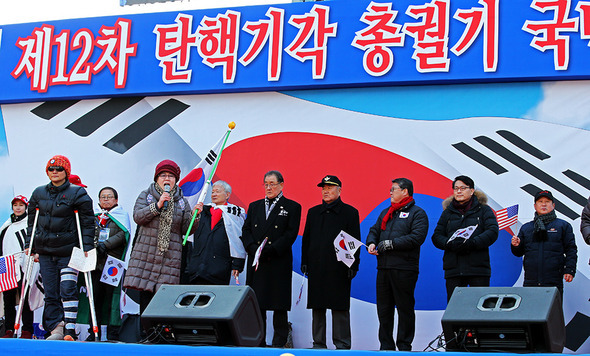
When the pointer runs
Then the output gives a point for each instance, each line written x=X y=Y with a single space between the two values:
x=513 y=139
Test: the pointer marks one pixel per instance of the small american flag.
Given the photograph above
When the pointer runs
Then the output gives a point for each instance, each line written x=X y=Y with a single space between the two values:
x=7 y=273
x=507 y=217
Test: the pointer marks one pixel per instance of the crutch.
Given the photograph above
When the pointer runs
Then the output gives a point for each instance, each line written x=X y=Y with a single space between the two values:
x=88 y=279
x=26 y=277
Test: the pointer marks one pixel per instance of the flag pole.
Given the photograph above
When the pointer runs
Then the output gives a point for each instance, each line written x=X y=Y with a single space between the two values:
x=88 y=279
x=26 y=277
x=231 y=126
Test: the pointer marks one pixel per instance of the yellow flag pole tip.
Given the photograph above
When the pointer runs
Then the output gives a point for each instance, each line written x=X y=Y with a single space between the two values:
x=231 y=125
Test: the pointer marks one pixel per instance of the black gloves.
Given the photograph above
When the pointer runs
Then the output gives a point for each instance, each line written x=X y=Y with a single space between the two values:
x=461 y=245
x=466 y=247
x=352 y=272
x=455 y=244
x=304 y=269
x=385 y=245
x=101 y=249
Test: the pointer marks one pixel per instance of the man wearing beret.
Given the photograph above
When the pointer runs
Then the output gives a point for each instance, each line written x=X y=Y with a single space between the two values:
x=329 y=279
x=395 y=239
x=548 y=246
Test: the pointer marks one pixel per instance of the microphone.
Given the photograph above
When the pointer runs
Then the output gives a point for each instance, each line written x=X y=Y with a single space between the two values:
x=167 y=190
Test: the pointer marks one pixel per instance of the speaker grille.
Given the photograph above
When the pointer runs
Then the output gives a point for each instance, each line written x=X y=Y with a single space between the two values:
x=503 y=338
x=196 y=335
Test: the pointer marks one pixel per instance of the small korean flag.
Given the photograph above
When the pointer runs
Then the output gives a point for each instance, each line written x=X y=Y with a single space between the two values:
x=345 y=247
x=112 y=271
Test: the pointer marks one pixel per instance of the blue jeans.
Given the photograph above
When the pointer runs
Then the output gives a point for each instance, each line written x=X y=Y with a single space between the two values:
x=61 y=292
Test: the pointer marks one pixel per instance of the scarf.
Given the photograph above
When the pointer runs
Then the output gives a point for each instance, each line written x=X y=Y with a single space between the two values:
x=165 y=220
x=329 y=206
x=216 y=215
x=393 y=208
x=465 y=206
x=103 y=218
x=269 y=204
x=540 y=231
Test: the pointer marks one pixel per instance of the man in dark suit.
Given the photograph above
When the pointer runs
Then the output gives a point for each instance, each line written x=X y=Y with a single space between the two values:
x=329 y=279
x=274 y=219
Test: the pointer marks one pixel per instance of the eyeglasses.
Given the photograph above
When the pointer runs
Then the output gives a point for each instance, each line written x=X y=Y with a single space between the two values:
x=271 y=185
x=461 y=189
x=55 y=168
x=394 y=188
x=106 y=197
x=166 y=175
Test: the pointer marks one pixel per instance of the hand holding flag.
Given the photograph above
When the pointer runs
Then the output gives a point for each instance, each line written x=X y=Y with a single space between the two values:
x=258 y=253
x=197 y=182
x=464 y=233
x=345 y=247
x=507 y=217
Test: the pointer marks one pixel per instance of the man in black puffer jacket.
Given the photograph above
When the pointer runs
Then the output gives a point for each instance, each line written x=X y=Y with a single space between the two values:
x=548 y=245
x=466 y=261
x=55 y=237
x=395 y=239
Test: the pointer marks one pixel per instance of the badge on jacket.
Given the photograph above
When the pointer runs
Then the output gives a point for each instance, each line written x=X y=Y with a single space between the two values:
x=404 y=214
x=283 y=212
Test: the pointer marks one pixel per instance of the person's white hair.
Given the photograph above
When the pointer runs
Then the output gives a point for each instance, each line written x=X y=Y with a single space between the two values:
x=226 y=187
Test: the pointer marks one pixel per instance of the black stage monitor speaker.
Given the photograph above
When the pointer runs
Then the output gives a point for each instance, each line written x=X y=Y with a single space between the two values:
x=209 y=315
x=515 y=319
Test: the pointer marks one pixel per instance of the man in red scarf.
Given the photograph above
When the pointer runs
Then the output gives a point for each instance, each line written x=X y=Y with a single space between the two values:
x=395 y=239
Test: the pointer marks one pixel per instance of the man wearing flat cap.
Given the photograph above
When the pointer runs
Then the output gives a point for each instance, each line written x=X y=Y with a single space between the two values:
x=548 y=245
x=329 y=279
x=395 y=239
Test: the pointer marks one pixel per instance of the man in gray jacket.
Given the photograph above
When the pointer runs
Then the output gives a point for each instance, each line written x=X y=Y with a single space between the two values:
x=395 y=239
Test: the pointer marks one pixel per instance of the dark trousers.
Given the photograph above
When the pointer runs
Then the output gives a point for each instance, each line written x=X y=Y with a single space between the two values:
x=395 y=289
x=280 y=324
x=10 y=304
x=61 y=292
x=340 y=329
x=466 y=281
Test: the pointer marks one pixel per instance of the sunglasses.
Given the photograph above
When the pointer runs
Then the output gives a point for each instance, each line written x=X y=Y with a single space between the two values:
x=57 y=169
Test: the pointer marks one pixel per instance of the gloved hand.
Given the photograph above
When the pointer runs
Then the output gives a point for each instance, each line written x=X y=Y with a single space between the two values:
x=455 y=244
x=304 y=269
x=351 y=273
x=385 y=245
x=466 y=247
x=101 y=249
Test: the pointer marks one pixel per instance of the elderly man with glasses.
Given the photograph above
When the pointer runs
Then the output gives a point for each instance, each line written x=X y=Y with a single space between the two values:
x=216 y=254
x=273 y=223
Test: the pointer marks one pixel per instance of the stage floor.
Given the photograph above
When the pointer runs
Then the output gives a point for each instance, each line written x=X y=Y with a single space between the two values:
x=68 y=348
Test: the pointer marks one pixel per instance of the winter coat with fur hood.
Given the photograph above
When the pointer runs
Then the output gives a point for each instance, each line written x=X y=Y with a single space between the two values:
x=471 y=258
